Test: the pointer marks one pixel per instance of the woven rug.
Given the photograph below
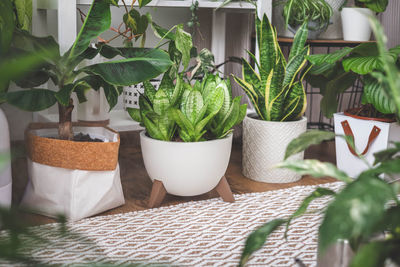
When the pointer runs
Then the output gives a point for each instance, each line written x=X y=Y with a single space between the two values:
x=202 y=233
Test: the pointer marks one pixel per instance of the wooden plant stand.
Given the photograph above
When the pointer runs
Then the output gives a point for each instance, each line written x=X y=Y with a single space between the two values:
x=158 y=192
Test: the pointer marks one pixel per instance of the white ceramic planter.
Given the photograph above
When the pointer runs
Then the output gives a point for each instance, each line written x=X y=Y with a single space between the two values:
x=5 y=172
x=186 y=169
x=355 y=24
x=96 y=108
x=264 y=146
x=362 y=130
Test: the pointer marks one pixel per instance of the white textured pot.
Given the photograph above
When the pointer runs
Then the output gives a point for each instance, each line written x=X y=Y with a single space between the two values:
x=355 y=24
x=264 y=146
x=5 y=171
x=186 y=169
x=96 y=108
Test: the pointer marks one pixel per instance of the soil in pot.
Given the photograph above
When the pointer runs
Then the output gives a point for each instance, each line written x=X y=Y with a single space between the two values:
x=369 y=112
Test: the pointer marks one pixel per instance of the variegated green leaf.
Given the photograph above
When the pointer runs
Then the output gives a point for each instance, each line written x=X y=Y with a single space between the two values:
x=135 y=114
x=329 y=58
x=225 y=85
x=177 y=93
x=194 y=103
x=295 y=103
x=374 y=93
x=361 y=64
x=151 y=127
x=181 y=120
x=299 y=41
x=161 y=102
x=315 y=168
x=149 y=91
x=232 y=116
x=215 y=101
x=267 y=43
x=274 y=93
x=294 y=66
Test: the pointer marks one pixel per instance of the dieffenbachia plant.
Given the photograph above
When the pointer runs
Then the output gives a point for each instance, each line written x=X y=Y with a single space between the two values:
x=276 y=89
x=335 y=72
x=133 y=66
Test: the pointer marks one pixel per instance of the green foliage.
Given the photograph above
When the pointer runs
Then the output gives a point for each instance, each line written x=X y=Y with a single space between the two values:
x=335 y=72
x=7 y=26
x=298 y=12
x=23 y=13
x=277 y=93
x=375 y=5
x=136 y=65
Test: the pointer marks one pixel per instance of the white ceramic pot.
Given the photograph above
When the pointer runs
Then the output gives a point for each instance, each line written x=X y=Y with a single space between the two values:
x=186 y=169
x=355 y=24
x=96 y=108
x=264 y=146
x=5 y=171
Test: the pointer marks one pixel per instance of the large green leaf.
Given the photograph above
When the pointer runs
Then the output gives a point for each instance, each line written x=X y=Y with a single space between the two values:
x=355 y=212
x=329 y=58
x=375 y=93
x=313 y=137
x=375 y=5
x=23 y=9
x=160 y=102
x=317 y=193
x=7 y=25
x=315 y=168
x=141 y=66
x=257 y=239
x=295 y=103
x=267 y=43
x=183 y=43
x=374 y=254
x=98 y=20
x=361 y=64
x=31 y=100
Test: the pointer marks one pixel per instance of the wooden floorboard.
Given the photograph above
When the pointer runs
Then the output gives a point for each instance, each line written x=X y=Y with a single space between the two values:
x=137 y=185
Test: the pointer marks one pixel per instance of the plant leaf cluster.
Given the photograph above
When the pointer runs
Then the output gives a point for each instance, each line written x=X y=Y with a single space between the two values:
x=277 y=91
x=297 y=12
x=335 y=72
x=131 y=66
x=367 y=206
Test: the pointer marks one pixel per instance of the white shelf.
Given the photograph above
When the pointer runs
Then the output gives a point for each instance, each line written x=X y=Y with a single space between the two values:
x=245 y=6
x=119 y=121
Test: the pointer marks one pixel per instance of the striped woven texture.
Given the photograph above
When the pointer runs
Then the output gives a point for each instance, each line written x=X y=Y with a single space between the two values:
x=202 y=233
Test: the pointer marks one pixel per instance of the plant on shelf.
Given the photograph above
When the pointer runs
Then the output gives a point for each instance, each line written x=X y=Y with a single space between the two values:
x=355 y=18
x=317 y=13
x=278 y=96
x=366 y=210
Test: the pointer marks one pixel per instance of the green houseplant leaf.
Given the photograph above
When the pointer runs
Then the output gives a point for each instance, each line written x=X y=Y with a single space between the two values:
x=7 y=25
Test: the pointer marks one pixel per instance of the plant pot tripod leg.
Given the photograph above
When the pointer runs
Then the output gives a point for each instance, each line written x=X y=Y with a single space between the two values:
x=157 y=195
x=224 y=190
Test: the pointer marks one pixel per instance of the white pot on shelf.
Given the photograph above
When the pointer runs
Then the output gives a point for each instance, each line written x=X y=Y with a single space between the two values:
x=264 y=146
x=95 y=109
x=355 y=24
x=186 y=169
x=5 y=171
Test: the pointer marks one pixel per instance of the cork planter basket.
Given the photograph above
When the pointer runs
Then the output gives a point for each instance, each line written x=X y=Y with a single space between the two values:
x=76 y=179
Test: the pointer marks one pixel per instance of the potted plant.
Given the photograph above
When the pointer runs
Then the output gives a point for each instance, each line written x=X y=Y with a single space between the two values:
x=187 y=142
x=66 y=163
x=279 y=99
x=355 y=19
x=373 y=124
x=317 y=13
x=365 y=212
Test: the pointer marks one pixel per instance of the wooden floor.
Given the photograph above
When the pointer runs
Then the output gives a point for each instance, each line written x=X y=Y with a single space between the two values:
x=137 y=185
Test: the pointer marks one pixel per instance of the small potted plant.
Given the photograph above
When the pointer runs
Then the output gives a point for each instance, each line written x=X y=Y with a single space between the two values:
x=66 y=163
x=317 y=13
x=365 y=212
x=279 y=99
x=372 y=126
x=355 y=19
x=187 y=142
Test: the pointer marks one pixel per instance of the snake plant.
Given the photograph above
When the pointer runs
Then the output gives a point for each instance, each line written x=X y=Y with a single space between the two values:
x=277 y=91
x=231 y=113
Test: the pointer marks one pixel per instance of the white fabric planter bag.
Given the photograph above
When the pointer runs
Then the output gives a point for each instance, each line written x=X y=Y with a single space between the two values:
x=75 y=193
x=375 y=133
x=264 y=146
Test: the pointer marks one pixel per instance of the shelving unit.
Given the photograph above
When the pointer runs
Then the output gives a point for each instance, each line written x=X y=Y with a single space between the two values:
x=67 y=25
